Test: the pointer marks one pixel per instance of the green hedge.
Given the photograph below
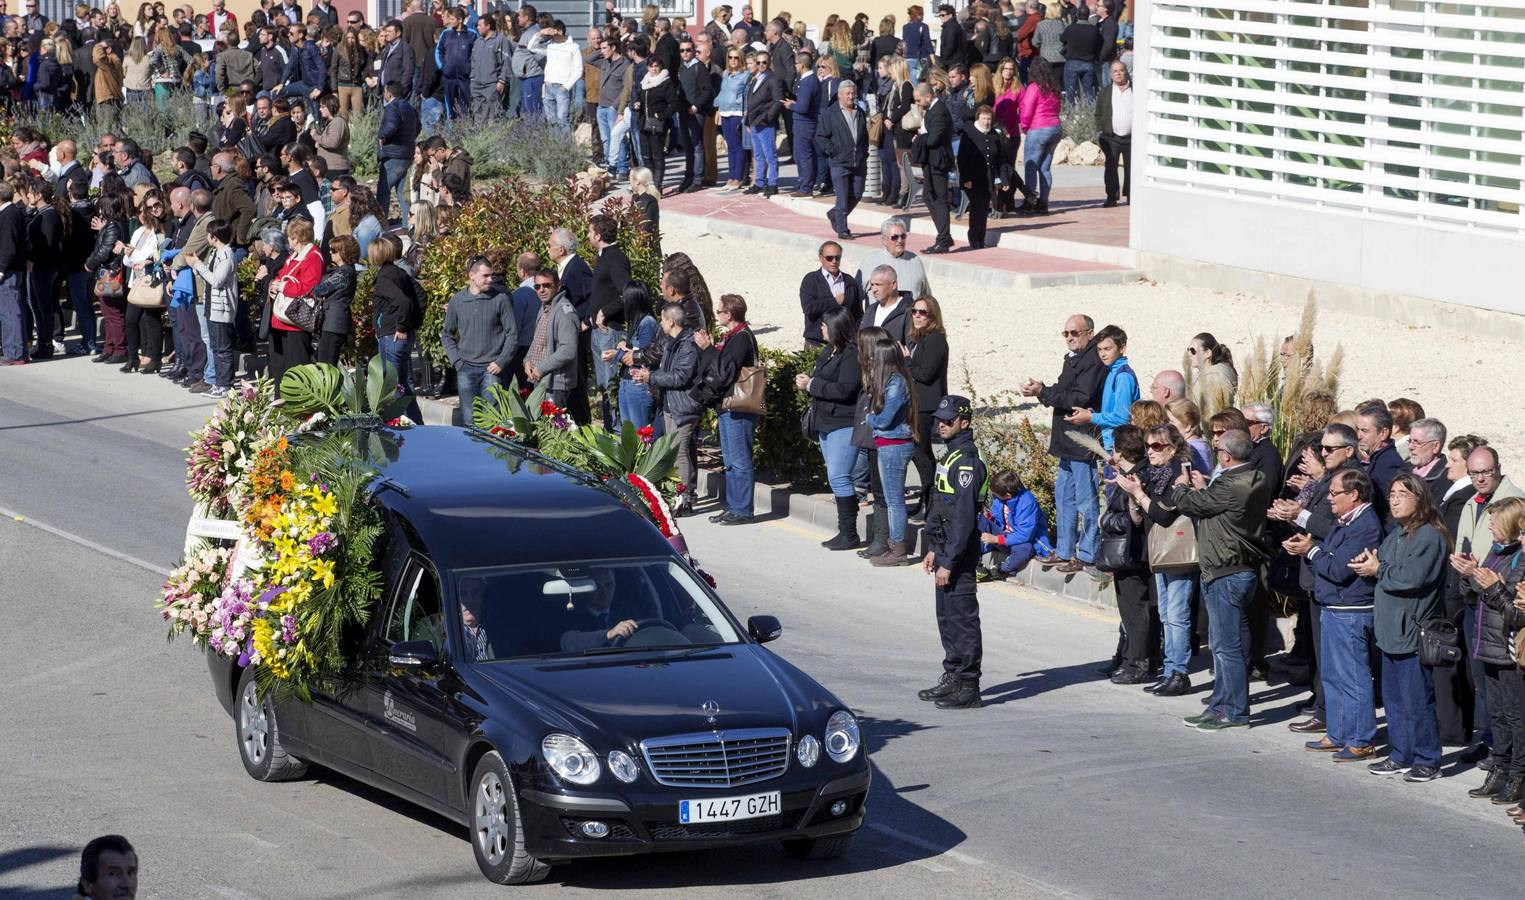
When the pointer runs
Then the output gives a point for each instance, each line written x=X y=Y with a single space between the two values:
x=782 y=452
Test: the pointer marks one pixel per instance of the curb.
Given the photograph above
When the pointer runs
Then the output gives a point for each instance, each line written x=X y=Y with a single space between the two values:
x=777 y=501
x=937 y=267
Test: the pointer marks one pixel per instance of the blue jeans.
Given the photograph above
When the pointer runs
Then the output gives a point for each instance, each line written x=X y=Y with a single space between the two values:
x=393 y=171
x=471 y=381
x=529 y=95
x=1079 y=74
x=209 y=372
x=14 y=316
x=1173 y=590
x=84 y=309
x=765 y=154
x=616 y=157
x=840 y=455
x=1037 y=157
x=1228 y=636
x=1009 y=558
x=400 y=355
x=636 y=405
x=893 y=459
x=735 y=147
x=1345 y=669
x=558 y=106
x=605 y=373
x=1075 y=495
x=1408 y=697
x=736 y=433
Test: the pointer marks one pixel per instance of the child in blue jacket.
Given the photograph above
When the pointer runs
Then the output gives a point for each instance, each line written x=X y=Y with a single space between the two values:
x=1014 y=531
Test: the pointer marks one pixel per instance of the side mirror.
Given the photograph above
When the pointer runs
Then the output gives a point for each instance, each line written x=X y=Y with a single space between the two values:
x=419 y=655
x=764 y=628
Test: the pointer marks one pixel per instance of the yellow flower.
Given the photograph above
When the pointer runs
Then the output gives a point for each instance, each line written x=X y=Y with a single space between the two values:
x=325 y=506
x=323 y=570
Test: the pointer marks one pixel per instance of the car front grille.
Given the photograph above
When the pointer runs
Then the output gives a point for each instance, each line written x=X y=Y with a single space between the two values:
x=718 y=759
x=676 y=831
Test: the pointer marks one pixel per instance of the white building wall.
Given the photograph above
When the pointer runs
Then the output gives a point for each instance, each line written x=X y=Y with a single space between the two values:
x=1373 y=143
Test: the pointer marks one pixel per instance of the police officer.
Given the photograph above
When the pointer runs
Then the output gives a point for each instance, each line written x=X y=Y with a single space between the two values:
x=953 y=535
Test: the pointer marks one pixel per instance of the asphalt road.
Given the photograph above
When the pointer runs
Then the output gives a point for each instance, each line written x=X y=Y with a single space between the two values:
x=1062 y=786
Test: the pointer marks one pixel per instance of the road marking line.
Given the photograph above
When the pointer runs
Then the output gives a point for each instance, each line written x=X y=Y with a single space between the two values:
x=85 y=542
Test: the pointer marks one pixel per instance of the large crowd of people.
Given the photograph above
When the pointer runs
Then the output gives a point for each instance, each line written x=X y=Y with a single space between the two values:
x=1399 y=541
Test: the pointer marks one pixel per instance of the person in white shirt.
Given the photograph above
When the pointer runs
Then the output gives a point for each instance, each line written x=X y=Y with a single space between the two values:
x=1114 y=121
x=563 y=76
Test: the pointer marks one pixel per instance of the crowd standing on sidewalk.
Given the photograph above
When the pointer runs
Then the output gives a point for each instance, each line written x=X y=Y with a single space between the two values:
x=1400 y=542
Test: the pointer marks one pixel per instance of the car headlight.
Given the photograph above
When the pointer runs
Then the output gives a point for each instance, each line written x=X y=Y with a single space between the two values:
x=622 y=766
x=808 y=751
x=842 y=738
x=570 y=758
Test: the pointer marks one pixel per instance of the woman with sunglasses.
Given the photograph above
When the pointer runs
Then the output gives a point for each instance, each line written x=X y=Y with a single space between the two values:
x=1166 y=456
x=926 y=353
x=145 y=325
x=654 y=102
x=1214 y=378
x=833 y=387
x=730 y=104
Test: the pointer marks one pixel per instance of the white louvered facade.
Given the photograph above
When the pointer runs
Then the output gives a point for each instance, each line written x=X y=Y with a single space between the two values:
x=1374 y=143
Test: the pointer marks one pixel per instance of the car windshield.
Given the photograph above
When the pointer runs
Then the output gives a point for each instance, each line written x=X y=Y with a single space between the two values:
x=584 y=609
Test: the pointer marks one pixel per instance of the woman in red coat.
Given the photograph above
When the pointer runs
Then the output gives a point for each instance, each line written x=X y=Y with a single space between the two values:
x=298 y=275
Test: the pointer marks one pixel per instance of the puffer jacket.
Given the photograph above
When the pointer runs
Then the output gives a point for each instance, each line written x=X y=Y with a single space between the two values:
x=1491 y=638
x=676 y=378
x=336 y=290
x=1117 y=521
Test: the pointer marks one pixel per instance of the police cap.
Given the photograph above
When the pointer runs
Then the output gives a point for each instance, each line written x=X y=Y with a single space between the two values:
x=953 y=407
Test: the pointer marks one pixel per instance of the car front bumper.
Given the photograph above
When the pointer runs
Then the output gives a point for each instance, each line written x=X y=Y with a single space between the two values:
x=646 y=822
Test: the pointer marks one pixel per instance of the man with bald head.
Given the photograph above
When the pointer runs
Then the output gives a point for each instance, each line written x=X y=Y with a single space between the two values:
x=1079 y=387
x=66 y=167
x=1168 y=385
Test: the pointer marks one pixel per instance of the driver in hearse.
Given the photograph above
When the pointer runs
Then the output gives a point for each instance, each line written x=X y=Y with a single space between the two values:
x=590 y=618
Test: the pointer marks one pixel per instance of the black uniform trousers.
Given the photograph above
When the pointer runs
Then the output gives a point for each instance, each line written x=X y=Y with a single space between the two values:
x=958 y=624
x=935 y=189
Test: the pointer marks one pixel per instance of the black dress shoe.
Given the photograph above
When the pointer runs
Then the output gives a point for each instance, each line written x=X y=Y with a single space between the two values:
x=844 y=235
x=1131 y=675
x=770 y=191
x=754 y=189
x=1109 y=204
x=99 y=358
x=173 y=374
x=936 y=248
x=151 y=369
x=1110 y=668
x=1174 y=686
x=130 y=366
x=113 y=360
x=738 y=520
x=1310 y=725
x=719 y=518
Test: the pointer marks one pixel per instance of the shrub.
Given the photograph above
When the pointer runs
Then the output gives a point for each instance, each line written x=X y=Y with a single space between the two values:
x=1262 y=380
x=1077 y=119
x=1009 y=440
x=156 y=131
x=362 y=145
x=519 y=215
x=783 y=453
x=361 y=344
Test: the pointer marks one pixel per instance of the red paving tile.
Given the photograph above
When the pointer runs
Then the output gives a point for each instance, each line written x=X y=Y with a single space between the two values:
x=755 y=211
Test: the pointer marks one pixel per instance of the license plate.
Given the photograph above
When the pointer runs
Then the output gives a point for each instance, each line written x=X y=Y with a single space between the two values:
x=729 y=809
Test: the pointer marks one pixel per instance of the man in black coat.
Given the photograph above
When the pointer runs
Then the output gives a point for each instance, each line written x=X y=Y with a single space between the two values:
x=952 y=43
x=15 y=317
x=842 y=137
x=764 y=101
x=698 y=105
x=886 y=305
x=781 y=64
x=826 y=287
x=933 y=148
x=577 y=286
x=1075 y=488
x=611 y=274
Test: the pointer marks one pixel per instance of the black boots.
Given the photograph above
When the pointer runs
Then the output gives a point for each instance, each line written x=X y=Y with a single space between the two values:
x=1511 y=792
x=1490 y=786
x=880 y=541
x=965 y=695
x=847 y=525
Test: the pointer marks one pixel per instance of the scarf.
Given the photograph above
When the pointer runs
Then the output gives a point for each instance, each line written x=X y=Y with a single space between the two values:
x=1157 y=479
x=649 y=81
x=542 y=326
x=729 y=334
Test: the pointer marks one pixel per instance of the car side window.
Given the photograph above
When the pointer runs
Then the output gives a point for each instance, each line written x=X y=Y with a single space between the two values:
x=416 y=616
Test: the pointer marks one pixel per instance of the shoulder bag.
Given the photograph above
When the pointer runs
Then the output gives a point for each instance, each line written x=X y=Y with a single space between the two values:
x=807 y=423
x=110 y=282
x=147 y=292
x=1439 y=643
x=863 y=433
x=749 y=395
x=299 y=312
x=1173 y=547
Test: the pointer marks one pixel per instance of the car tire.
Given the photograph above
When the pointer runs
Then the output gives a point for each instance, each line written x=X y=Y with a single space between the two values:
x=259 y=736
x=818 y=848
x=497 y=833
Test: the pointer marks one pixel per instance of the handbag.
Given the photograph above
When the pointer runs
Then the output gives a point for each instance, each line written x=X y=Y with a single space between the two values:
x=750 y=392
x=1172 y=547
x=807 y=423
x=653 y=125
x=1439 y=643
x=911 y=121
x=863 y=433
x=875 y=129
x=147 y=292
x=299 y=312
x=110 y=282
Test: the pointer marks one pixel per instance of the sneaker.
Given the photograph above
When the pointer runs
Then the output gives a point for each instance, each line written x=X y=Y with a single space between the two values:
x=1323 y=745
x=985 y=574
x=1194 y=721
x=1422 y=773
x=1220 y=723
x=218 y=392
x=1388 y=767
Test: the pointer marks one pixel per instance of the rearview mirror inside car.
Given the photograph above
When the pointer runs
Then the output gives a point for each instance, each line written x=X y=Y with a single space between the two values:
x=764 y=628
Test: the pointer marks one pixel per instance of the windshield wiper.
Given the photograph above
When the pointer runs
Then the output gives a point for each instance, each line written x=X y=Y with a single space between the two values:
x=600 y=651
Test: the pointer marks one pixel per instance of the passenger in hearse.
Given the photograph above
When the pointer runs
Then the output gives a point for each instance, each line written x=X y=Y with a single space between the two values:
x=475 y=633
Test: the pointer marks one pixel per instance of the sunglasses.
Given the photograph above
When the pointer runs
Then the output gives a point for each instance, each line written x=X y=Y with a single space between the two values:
x=1191 y=351
x=831 y=257
x=543 y=285
x=920 y=312
x=1328 y=449
x=1218 y=432
x=1157 y=447
x=1070 y=334
x=897 y=237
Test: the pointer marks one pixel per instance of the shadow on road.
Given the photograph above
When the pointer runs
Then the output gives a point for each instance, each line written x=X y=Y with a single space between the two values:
x=1031 y=684
x=23 y=857
x=89 y=419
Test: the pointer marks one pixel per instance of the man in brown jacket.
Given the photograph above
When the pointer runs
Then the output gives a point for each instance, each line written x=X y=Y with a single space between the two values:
x=108 y=79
